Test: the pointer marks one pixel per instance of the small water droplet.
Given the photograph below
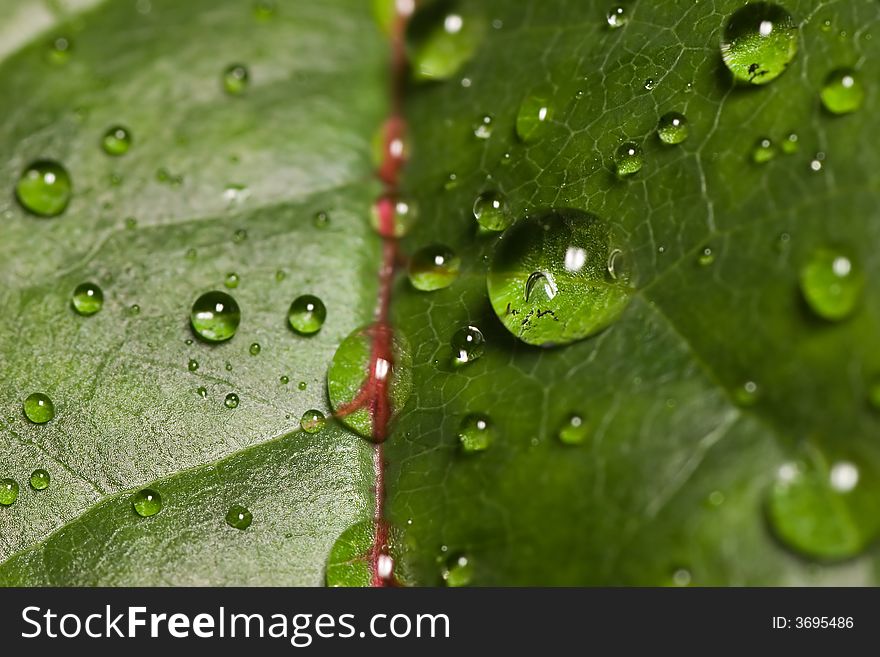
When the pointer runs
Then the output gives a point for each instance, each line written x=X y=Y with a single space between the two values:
x=673 y=128
x=617 y=16
x=706 y=257
x=321 y=219
x=146 y=502
x=468 y=344
x=475 y=434
x=533 y=116
x=40 y=479
x=790 y=145
x=131 y=223
x=8 y=491
x=447 y=47
x=681 y=577
x=231 y=281
x=87 y=299
x=254 y=349
x=392 y=216
x=280 y=275
x=628 y=159
x=231 y=400
x=215 y=316
x=650 y=84
x=44 y=188
x=433 y=267
x=574 y=431
x=235 y=79
x=228 y=366
x=239 y=236
x=307 y=314
x=458 y=571
x=491 y=212
x=832 y=284
x=193 y=365
x=816 y=163
x=312 y=421
x=134 y=309
x=760 y=41
x=116 y=141
x=38 y=408
x=202 y=392
x=763 y=151
x=483 y=127
x=238 y=517
x=60 y=49
x=842 y=92
x=747 y=394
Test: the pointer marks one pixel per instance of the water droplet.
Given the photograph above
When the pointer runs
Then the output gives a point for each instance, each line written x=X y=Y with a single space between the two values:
x=355 y=373
x=8 y=491
x=116 y=141
x=534 y=115
x=44 y=188
x=238 y=517
x=301 y=385
x=60 y=49
x=433 y=268
x=350 y=564
x=490 y=211
x=458 y=571
x=673 y=128
x=790 y=145
x=280 y=275
x=446 y=47
x=146 y=502
x=393 y=217
x=706 y=257
x=825 y=508
x=215 y=316
x=617 y=16
x=284 y=379
x=681 y=577
x=231 y=400
x=842 y=92
x=816 y=163
x=193 y=365
x=321 y=219
x=235 y=79
x=760 y=41
x=628 y=159
x=40 y=479
x=228 y=366
x=475 y=433
x=574 y=431
x=254 y=349
x=558 y=277
x=38 y=408
x=239 y=236
x=483 y=127
x=87 y=299
x=131 y=223
x=649 y=84
x=832 y=284
x=312 y=421
x=231 y=281
x=307 y=314
x=190 y=254
x=202 y=392
x=134 y=309
x=763 y=151
x=468 y=344
x=747 y=394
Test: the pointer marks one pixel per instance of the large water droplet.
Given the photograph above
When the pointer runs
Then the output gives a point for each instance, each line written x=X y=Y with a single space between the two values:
x=628 y=159
x=8 y=491
x=351 y=385
x=307 y=314
x=350 y=561
x=116 y=141
x=40 y=479
x=215 y=316
x=673 y=128
x=146 y=502
x=825 y=508
x=446 y=46
x=760 y=41
x=87 y=299
x=44 y=188
x=312 y=421
x=475 y=434
x=842 y=92
x=468 y=344
x=433 y=267
x=38 y=408
x=558 y=277
x=238 y=517
x=490 y=211
x=459 y=571
x=832 y=284
x=534 y=114
x=235 y=79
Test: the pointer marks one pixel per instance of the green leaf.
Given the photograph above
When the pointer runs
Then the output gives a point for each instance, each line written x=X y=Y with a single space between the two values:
x=691 y=404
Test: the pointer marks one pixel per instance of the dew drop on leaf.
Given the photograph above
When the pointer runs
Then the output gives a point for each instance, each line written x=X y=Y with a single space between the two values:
x=468 y=344
x=38 y=408
x=558 y=277
x=483 y=127
x=87 y=299
x=146 y=502
x=433 y=267
x=790 y=145
x=491 y=212
x=763 y=151
x=8 y=491
x=842 y=92
x=628 y=159
x=574 y=430
x=284 y=379
x=673 y=128
x=231 y=281
x=239 y=236
x=617 y=16
x=533 y=116
x=475 y=433
x=202 y=392
x=747 y=394
x=321 y=219
x=238 y=517
x=44 y=188
x=235 y=79
x=458 y=571
x=446 y=46
x=301 y=385
x=254 y=349
x=392 y=216
x=307 y=314
x=215 y=316
x=706 y=257
x=116 y=141
x=832 y=284
x=312 y=421
x=760 y=40
x=60 y=49
x=193 y=365
x=231 y=400
x=40 y=479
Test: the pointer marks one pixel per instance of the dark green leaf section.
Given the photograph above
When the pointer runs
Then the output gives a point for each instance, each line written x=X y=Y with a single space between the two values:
x=671 y=485
x=212 y=184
